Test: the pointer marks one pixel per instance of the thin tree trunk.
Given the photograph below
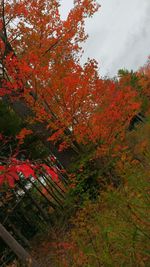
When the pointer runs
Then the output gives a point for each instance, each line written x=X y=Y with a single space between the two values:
x=21 y=253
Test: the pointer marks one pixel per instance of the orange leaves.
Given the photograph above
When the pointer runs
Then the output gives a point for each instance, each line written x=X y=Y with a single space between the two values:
x=95 y=110
x=45 y=60
x=56 y=136
x=23 y=133
x=74 y=102
x=63 y=145
x=106 y=113
x=20 y=9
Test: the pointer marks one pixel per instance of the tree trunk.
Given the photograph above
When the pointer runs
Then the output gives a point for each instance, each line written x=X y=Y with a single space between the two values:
x=21 y=253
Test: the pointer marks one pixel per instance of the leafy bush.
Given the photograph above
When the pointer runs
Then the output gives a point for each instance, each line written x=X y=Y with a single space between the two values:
x=114 y=231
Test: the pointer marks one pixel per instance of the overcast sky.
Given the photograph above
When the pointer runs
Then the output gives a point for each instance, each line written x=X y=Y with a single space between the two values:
x=119 y=34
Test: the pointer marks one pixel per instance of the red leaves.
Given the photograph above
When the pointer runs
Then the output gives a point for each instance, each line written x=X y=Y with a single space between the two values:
x=26 y=170
x=52 y=172
x=11 y=173
x=11 y=181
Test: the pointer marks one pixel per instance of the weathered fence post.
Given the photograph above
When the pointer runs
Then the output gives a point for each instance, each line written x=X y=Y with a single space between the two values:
x=21 y=253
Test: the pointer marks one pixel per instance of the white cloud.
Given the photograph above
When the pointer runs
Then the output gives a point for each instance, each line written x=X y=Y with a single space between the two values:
x=119 y=34
x=65 y=7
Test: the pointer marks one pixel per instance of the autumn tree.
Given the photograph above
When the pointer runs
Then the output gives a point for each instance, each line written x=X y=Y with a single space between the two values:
x=41 y=64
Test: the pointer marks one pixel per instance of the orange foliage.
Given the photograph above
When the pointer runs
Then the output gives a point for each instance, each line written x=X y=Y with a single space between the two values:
x=44 y=68
x=22 y=134
x=144 y=79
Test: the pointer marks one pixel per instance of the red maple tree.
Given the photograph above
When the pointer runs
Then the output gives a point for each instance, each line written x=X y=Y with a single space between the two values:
x=40 y=62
